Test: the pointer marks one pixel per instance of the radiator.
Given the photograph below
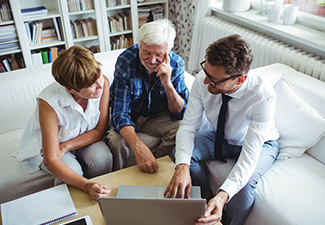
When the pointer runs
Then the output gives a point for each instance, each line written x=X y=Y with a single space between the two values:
x=266 y=50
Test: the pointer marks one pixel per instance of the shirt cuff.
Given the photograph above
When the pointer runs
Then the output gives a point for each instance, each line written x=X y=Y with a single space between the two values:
x=230 y=189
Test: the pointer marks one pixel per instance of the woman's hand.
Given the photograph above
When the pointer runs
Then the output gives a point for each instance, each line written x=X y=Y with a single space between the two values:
x=96 y=190
x=64 y=148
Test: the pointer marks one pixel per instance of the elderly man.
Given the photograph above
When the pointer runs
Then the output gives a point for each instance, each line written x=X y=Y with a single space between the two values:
x=148 y=95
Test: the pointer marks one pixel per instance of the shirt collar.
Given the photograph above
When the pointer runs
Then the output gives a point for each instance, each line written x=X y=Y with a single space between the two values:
x=66 y=100
x=241 y=90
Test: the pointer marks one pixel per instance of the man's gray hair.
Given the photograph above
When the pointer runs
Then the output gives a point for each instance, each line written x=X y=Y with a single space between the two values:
x=157 y=33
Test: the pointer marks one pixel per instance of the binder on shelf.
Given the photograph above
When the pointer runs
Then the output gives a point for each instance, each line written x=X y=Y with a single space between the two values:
x=6 y=64
x=56 y=26
x=34 y=11
x=45 y=207
x=37 y=59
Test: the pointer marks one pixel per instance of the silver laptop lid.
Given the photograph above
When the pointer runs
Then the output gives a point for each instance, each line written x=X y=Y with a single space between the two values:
x=136 y=211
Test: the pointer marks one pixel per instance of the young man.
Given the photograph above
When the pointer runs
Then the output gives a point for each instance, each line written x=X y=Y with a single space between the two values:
x=249 y=131
x=148 y=95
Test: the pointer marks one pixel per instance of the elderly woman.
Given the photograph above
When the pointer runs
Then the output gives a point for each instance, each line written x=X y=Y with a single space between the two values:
x=64 y=135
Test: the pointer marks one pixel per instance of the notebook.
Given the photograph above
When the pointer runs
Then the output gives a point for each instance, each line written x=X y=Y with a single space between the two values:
x=146 y=205
x=45 y=207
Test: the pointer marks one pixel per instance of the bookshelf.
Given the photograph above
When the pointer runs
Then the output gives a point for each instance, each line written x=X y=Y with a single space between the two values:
x=61 y=11
x=73 y=19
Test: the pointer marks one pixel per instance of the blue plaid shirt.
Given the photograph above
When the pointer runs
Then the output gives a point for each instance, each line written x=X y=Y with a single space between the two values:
x=130 y=94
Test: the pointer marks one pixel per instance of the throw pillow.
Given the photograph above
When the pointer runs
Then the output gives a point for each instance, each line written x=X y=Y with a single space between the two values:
x=300 y=126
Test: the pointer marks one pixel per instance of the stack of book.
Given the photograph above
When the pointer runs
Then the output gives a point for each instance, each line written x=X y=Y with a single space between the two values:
x=45 y=56
x=37 y=33
x=121 y=42
x=34 y=11
x=80 y=5
x=112 y=3
x=143 y=14
x=83 y=27
x=156 y=12
x=5 y=11
x=8 y=38
x=119 y=22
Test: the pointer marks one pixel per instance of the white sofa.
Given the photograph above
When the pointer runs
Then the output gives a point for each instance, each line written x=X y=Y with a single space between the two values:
x=289 y=193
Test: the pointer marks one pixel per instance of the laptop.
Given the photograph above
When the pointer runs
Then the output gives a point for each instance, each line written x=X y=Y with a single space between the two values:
x=146 y=205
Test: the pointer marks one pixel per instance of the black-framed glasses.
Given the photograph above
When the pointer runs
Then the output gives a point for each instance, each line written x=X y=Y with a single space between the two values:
x=219 y=82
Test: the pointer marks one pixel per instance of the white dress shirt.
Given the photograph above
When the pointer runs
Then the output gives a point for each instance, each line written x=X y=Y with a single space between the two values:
x=249 y=123
x=72 y=122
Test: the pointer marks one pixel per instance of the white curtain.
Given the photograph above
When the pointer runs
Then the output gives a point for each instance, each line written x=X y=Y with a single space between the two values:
x=202 y=8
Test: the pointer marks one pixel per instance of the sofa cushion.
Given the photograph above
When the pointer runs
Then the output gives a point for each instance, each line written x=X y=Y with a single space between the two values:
x=15 y=182
x=300 y=125
x=290 y=192
x=19 y=89
x=108 y=62
x=313 y=91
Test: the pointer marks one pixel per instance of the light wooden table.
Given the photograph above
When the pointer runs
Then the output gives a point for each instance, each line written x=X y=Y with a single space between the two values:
x=128 y=176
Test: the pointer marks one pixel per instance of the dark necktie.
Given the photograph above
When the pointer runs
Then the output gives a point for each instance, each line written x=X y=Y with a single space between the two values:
x=221 y=128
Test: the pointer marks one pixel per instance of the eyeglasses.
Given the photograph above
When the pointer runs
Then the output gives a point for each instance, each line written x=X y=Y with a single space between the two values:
x=210 y=77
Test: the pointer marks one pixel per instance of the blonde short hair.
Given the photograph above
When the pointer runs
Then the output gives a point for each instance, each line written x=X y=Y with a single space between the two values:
x=76 y=68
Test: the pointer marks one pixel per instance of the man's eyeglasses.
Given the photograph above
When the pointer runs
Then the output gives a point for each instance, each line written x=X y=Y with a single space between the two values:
x=210 y=77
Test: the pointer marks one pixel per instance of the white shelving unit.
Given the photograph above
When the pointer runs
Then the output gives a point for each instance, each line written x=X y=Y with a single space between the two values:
x=59 y=9
x=53 y=12
x=93 y=13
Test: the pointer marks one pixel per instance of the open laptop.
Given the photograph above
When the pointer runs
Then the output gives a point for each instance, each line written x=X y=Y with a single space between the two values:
x=146 y=205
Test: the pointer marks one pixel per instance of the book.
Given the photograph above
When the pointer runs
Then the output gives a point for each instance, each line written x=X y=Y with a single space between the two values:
x=56 y=26
x=45 y=207
x=37 y=59
x=28 y=32
x=94 y=25
x=34 y=11
x=39 y=31
x=6 y=64
x=45 y=57
x=73 y=27
x=49 y=37
x=54 y=53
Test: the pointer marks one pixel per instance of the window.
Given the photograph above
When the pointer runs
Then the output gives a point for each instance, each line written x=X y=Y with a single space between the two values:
x=316 y=7
x=314 y=20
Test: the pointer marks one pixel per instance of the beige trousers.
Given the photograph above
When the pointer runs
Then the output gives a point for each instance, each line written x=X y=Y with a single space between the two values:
x=158 y=134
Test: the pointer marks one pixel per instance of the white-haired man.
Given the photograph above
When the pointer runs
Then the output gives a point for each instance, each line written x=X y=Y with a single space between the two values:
x=148 y=95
